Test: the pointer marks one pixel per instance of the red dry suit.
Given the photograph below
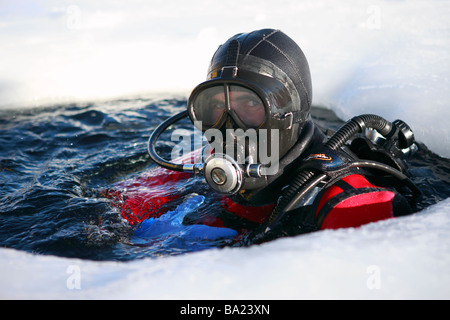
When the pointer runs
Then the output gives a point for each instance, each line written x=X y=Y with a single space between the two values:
x=350 y=202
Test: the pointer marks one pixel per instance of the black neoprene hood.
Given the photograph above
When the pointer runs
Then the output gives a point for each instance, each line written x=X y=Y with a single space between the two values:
x=274 y=47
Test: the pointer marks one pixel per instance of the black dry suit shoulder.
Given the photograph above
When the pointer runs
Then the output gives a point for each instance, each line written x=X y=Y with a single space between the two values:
x=327 y=163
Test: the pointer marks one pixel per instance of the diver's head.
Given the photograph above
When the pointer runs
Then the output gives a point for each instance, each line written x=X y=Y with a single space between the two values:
x=258 y=85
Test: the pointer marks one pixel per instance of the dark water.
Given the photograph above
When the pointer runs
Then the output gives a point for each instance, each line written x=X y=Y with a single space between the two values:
x=55 y=162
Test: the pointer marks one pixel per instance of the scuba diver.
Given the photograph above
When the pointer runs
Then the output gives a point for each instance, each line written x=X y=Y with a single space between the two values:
x=276 y=171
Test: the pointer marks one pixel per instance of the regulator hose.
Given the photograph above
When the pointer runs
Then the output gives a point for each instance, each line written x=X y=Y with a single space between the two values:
x=359 y=124
x=154 y=137
x=307 y=179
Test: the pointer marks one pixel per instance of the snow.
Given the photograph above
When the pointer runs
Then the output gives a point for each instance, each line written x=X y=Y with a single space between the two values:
x=385 y=57
x=402 y=258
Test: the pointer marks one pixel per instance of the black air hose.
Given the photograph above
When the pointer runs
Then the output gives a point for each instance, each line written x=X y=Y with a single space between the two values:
x=154 y=137
x=356 y=125
x=299 y=181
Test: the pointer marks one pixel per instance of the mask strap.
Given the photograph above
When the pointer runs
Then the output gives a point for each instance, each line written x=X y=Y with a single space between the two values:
x=286 y=120
x=230 y=68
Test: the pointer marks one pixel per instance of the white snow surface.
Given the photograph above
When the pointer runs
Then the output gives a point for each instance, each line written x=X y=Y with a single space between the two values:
x=391 y=58
x=402 y=258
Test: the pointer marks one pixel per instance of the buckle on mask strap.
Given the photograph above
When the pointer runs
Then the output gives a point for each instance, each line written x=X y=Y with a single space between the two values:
x=286 y=120
x=229 y=71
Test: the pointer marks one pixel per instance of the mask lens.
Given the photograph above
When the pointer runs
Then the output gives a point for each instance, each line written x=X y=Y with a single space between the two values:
x=209 y=106
x=247 y=106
